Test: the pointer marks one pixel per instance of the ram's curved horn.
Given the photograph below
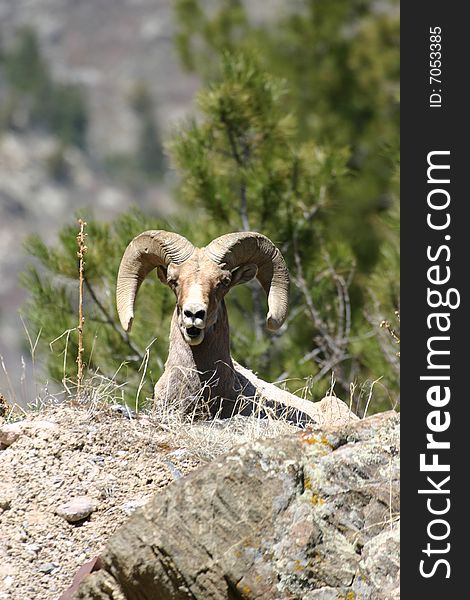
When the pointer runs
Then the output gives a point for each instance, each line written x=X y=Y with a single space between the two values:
x=148 y=250
x=236 y=249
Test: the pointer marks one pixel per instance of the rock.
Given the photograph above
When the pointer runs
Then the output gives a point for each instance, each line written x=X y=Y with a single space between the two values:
x=82 y=457
x=328 y=593
x=7 y=570
x=77 y=509
x=47 y=568
x=10 y=432
x=333 y=411
x=307 y=516
x=132 y=505
x=380 y=566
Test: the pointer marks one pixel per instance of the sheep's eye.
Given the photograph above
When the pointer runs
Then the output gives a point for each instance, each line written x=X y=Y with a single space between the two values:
x=225 y=281
x=171 y=281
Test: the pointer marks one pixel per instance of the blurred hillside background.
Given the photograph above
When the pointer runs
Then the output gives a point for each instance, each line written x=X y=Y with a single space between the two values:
x=201 y=116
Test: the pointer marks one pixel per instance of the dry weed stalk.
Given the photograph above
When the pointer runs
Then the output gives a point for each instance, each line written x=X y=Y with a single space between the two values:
x=81 y=319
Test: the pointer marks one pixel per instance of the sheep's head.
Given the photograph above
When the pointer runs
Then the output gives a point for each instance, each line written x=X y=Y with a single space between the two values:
x=201 y=277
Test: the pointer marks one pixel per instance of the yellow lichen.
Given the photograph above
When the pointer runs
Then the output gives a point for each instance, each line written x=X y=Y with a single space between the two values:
x=309 y=438
x=312 y=438
x=298 y=566
x=326 y=442
x=316 y=499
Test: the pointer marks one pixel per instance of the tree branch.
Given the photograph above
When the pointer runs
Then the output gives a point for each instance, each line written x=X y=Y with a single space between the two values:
x=110 y=321
x=241 y=163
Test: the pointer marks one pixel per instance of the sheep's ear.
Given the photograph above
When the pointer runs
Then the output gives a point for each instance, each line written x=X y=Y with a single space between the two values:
x=243 y=274
x=162 y=274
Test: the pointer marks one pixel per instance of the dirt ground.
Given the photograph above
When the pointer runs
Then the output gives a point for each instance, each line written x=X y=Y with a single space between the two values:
x=118 y=463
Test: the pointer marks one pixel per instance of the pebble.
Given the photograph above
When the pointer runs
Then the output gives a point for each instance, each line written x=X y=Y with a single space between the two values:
x=130 y=506
x=10 y=432
x=99 y=460
x=177 y=474
x=47 y=568
x=76 y=509
x=21 y=536
x=34 y=548
x=124 y=410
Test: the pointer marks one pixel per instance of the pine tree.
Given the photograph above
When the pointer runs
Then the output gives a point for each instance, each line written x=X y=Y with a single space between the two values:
x=341 y=63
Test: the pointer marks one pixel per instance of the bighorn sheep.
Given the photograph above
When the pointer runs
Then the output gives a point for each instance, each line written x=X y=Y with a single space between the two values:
x=199 y=363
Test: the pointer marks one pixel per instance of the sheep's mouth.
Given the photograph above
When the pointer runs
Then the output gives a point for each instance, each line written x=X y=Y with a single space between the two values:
x=193 y=335
x=193 y=332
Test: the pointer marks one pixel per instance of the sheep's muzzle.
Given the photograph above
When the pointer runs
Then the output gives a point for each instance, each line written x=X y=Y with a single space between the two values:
x=193 y=335
x=192 y=317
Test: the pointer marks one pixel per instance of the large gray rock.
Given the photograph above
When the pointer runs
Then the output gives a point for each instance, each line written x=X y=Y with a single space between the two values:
x=308 y=517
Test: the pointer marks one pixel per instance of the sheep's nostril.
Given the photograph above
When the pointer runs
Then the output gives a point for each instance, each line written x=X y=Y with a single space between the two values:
x=191 y=314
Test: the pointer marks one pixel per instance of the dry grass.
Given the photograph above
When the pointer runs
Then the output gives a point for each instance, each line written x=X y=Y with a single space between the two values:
x=193 y=430
x=207 y=436
x=29 y=392
x=208 y=439
x=361 y=396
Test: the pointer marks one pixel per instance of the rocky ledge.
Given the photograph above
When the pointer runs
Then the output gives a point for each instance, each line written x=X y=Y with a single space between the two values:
x=307 y=516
